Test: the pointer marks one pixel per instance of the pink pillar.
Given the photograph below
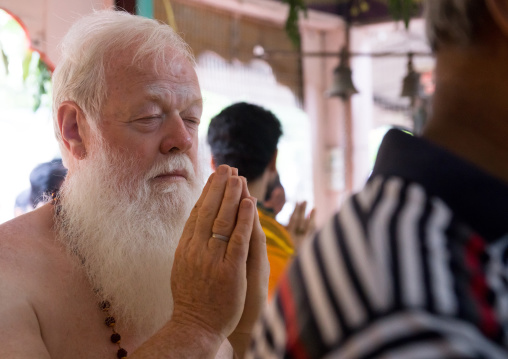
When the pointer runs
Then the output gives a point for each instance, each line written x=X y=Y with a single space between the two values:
x=330 y=117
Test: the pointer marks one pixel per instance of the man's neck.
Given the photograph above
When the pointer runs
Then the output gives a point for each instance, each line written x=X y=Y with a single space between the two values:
x=470 y=113
x=257 y=188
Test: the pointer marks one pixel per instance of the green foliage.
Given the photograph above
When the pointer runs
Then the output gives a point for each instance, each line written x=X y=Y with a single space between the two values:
x=359 y=6
x=43 y=83
x=36 y=76
x=26 y=75
x=403 y=9
x=295 y=7
x=5 y=60
x=399 y=9
x=26 y=64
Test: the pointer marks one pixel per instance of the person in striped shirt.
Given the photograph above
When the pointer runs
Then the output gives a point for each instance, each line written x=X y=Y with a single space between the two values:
x=416 y=264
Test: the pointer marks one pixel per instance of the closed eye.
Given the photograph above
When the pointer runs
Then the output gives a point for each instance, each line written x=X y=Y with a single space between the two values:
x=148 y=124
x=192 y=120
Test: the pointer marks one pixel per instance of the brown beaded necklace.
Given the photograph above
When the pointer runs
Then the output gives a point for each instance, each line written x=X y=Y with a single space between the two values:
x=105 y=306
x=110 y=322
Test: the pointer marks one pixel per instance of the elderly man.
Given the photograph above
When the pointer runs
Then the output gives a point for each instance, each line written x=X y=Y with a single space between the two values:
x=94 y=274
x=415 y=265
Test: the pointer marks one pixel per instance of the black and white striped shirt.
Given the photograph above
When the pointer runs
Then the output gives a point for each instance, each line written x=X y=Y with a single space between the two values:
x=413 y=266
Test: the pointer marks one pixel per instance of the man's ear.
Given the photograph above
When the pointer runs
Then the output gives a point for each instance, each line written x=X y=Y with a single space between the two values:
x=273 y=162
x=499 y=11
x=73 y=127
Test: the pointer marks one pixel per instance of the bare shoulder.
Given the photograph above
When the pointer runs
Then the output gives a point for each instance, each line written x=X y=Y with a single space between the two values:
x=27 y=247
x=28 y=240
x=32 y=262
x=44 y=295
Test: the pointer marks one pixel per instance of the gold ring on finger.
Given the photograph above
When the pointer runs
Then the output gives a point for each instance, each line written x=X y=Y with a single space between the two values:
x=221 y=237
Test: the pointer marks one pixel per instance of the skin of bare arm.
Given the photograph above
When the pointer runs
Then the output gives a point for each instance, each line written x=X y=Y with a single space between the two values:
x=19 y=327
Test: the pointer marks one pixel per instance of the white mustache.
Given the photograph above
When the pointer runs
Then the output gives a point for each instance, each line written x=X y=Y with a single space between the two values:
x=176 y=163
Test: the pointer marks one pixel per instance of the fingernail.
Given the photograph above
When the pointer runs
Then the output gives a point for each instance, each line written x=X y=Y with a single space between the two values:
x=234 y=182
x=245 y=204
x=222 y=170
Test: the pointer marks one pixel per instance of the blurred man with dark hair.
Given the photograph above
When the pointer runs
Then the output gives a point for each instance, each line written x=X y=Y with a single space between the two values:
x=245 y=136
x=415 y=265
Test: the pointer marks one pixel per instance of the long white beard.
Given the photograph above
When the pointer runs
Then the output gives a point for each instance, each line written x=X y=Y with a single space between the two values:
x=125 y=231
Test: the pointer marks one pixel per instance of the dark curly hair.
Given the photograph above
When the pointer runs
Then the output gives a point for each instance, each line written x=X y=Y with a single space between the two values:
x=244 y=136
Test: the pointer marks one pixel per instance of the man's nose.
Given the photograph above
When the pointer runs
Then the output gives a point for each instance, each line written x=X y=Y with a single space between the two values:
x=177 y=137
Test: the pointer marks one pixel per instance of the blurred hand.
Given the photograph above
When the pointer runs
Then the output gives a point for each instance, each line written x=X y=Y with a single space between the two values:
x=300 y=226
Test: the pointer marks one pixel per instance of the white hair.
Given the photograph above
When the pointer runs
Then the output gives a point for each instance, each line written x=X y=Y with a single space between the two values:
x=97 y=39
x=122 y=230
x=454 y=21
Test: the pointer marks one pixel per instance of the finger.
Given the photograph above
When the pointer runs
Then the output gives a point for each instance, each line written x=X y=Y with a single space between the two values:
x=311 y=228
x=258 y=266
x=211 y=204
x=258 y=271
x=300 y=216
x=234 y=171
x=188 y=230
x=294 y=220
x=303 y=207
x=226 y=218
x=257 y=249
x=238 y=246
x=245 y=189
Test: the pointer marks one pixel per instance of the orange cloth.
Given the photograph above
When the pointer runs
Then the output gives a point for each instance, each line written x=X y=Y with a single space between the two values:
x=278 y=246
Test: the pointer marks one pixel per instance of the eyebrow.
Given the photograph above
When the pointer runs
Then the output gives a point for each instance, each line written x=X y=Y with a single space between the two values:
x=159 y=94
x=196 y=102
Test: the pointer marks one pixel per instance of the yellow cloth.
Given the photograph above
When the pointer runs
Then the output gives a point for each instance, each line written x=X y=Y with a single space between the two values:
x=278 y=246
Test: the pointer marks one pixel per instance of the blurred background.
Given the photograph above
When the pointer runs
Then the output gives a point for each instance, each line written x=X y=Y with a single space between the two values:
x=337 y=73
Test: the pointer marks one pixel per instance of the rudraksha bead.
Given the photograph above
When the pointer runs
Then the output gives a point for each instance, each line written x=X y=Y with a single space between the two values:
x=115 y=338
x=121 y=353
x=104 y=305
x=110 y=321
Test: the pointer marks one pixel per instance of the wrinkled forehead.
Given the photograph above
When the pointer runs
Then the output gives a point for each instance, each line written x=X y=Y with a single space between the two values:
x=154 y=74
x=187 y=91
x=135 y=60
x=138 y=58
